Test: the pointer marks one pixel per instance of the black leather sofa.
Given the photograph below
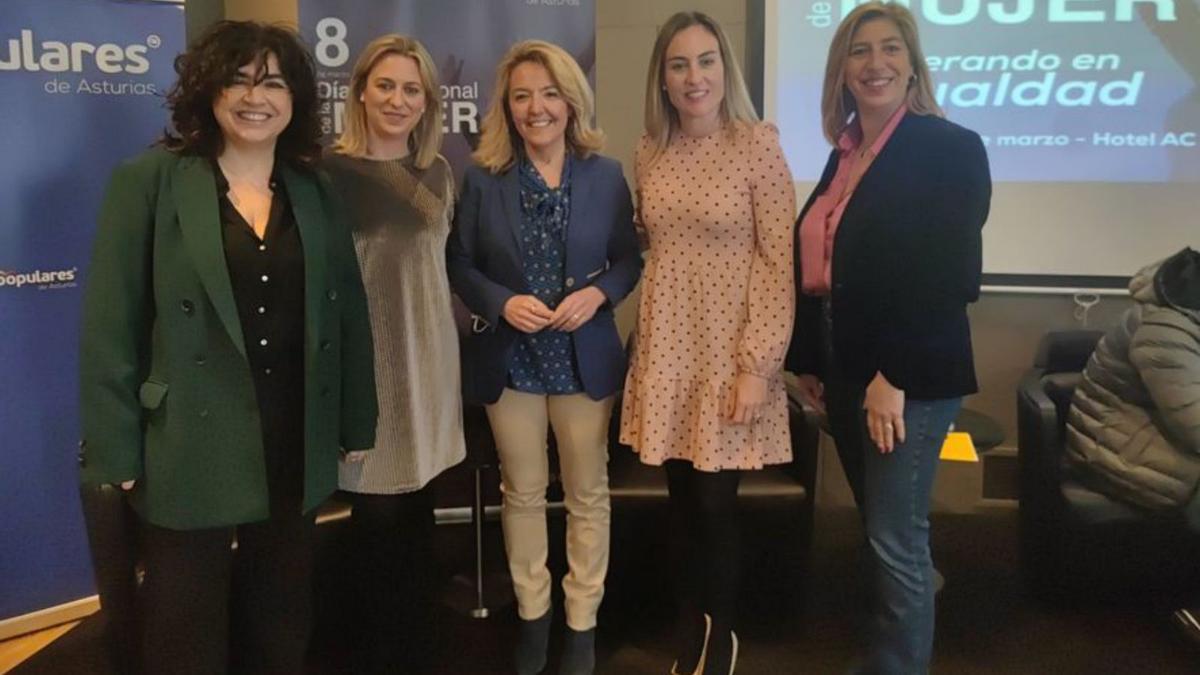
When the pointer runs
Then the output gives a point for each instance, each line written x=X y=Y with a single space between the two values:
x=1074 y=541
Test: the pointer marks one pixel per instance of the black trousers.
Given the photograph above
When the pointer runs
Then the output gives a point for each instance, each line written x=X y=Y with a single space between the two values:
x=392 y=550
x=210 y=609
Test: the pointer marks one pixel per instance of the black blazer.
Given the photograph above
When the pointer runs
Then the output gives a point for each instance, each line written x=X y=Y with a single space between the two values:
x=486 y=268
x=907 y=258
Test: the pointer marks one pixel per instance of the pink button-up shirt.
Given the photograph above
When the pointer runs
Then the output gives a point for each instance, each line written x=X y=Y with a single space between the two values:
x=820 y=224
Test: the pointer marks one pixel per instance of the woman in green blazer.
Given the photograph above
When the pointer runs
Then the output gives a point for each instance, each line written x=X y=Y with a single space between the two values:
x=226 y=357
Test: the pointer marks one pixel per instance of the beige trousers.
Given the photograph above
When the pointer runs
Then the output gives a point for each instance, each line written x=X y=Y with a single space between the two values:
x=519 y=422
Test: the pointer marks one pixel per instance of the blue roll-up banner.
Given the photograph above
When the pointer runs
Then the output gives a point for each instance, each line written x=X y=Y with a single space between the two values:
x=81 y=87
x=466 y=39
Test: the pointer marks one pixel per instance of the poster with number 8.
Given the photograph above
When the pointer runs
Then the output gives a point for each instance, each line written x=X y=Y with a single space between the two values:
x=466 y=38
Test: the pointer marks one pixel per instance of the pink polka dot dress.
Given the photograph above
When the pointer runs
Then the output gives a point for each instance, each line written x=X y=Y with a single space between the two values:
x=717 y=299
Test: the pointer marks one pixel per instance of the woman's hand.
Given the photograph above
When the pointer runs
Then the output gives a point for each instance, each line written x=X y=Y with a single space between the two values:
x=354 y=456
x=526 y=313
x=749 y=397
x=127 y=485
x=577 y=309
x=884 y=404
x=812 y=392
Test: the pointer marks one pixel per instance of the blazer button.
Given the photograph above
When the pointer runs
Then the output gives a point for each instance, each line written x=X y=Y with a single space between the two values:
x=187 y=307
x=200 y=360
x=332 y=294
x=325 y=345
x=83 y=445
x=570 y=282
x=204 y=414
x=82 y=460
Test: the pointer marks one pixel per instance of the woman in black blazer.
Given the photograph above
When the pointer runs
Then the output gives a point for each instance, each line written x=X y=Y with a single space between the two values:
x=543 y=248
x=888 y=257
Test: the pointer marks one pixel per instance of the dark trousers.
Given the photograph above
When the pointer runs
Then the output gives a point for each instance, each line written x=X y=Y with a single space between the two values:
x=210 y=609
x=706 y=542
x=392 y=550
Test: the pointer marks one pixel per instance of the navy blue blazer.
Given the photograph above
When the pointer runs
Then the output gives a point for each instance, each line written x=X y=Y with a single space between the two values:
x=484 y=262
x=907 y=259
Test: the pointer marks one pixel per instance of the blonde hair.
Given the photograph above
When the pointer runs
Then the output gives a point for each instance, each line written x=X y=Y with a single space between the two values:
x=426 y=137
x=836 y=101
x=661 y=117
x=499 y=140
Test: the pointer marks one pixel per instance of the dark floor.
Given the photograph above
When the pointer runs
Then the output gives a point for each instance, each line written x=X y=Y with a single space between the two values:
x=986 y=624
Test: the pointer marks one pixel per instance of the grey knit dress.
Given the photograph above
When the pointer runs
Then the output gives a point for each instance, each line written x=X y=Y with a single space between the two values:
x=400 y=217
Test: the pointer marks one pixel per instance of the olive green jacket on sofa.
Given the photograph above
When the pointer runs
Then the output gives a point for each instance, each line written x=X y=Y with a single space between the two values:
x=167 y=396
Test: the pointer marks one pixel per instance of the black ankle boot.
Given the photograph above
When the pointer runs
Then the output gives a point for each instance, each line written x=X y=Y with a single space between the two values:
x=579 y=652
x=691 y=641
x=530 y=655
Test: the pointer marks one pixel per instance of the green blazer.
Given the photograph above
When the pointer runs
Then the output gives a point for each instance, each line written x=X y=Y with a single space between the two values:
x=166 y=391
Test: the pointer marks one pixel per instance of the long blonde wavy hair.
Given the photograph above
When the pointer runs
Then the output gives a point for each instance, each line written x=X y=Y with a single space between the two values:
x=499 y=140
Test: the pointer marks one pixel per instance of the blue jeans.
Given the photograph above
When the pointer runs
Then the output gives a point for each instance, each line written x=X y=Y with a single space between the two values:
x=897 y=493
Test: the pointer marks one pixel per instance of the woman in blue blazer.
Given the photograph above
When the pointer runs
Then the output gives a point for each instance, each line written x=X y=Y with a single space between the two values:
x=889 y=256
x=543 y=248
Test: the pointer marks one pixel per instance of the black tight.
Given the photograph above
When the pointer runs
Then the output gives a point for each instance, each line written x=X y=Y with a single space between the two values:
x=706 y=544
x=393 y=551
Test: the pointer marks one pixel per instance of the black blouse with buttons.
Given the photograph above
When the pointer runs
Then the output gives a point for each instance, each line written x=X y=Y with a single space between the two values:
x=267 y=276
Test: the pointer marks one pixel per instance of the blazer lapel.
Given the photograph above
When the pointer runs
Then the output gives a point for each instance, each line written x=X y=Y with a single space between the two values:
x=309 y=214
x=580 y=183
x=199 y=219
x=510 y=192
x=879 y=176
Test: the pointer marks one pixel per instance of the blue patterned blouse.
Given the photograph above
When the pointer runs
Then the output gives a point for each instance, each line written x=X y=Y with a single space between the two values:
x=544 y=362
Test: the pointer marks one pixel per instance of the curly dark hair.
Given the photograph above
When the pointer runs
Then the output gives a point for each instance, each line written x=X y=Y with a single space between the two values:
x=210 y=64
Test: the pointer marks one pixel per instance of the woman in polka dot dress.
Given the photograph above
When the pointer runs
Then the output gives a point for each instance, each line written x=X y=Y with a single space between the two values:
x=704 y=396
